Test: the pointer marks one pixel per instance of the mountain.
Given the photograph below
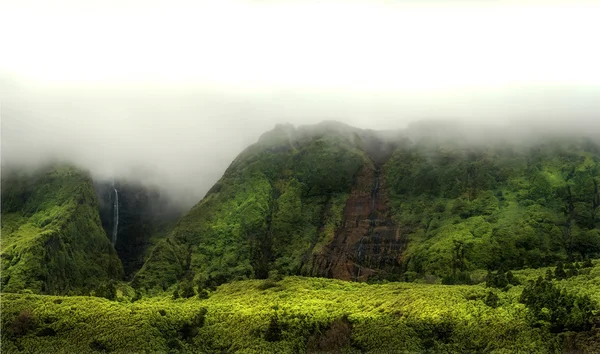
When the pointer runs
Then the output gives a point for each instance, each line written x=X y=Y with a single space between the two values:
x=145 y=215
x=52 y=238
x=440 y=239
x=429 y=202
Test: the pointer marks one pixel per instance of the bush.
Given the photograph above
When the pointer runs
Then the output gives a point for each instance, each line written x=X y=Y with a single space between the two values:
x=333 y=340
x=501 y=280
x=462 y=277
x=187 y=290
x=107 y=291
x=203 y=293
x=267 y=284
x=550 y=306
x=492 y=300
x=273 y=333
x=191 y=328
x=23 y=323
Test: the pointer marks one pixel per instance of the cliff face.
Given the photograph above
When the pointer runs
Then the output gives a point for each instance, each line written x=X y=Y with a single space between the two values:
x=326 y=200
x=144 y=218
x=368 y=242
x=334 y=201
x=52 y=239
x=282 y=205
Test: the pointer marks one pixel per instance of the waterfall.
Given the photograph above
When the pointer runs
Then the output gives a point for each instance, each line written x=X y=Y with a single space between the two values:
x=358 y=260
x=115 y=217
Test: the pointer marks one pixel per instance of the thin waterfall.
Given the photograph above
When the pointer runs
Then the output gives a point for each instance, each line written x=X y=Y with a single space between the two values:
x=115 y=217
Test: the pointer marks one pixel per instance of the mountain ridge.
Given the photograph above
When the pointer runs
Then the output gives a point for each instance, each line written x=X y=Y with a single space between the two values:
x=292 y=187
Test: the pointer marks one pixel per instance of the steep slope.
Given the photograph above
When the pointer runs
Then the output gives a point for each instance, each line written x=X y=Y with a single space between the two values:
x=335 y=201
x=52 y=239
x=368 y=242
x=277 y=207
x=145 y=217
x=496 y=205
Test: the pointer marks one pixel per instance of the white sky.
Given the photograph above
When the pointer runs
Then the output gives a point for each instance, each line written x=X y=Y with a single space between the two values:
x=327 y=45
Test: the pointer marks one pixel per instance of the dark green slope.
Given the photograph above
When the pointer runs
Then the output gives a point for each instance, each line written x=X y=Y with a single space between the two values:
x=145 y=217
x=277 y=202
x=496 y=206
x=331 y=200
x=52 y=239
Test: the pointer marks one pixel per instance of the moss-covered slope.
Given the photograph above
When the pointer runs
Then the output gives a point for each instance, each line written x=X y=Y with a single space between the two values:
x=498 y=205
x=331 y=200
x=282 y=198
x=52 y=239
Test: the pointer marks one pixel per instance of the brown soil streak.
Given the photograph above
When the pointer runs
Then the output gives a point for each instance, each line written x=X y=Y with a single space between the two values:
x=368 y=242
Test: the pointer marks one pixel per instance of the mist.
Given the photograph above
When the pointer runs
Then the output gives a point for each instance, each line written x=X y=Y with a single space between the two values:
x=169 y=93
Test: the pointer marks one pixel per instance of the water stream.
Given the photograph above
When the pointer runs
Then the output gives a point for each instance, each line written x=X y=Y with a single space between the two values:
x=115 y=217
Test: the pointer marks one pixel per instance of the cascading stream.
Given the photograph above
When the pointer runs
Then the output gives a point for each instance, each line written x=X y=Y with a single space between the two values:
x=372 y=216
x=115 y=218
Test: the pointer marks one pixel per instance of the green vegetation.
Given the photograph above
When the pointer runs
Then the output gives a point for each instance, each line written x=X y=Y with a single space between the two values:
x=52 y=240
x=495 y=247
x=277 y=203
x=145 y=218
x=497 y=206
x=314 y=314
x=462 y=207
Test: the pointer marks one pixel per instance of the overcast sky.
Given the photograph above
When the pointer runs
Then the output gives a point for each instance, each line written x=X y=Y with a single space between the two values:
x=179 y=88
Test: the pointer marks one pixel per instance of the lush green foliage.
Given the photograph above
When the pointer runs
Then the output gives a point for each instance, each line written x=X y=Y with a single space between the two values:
x=482 y=221
x=463 y=207
x=556 y=308
x=298 y=314
x=52 y=240
x=278 y=202
x=510 y=206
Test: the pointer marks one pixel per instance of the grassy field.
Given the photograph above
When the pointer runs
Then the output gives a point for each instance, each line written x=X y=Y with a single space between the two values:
x=294 y=314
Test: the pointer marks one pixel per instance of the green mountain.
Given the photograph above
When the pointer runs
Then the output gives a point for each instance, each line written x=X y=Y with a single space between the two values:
x=52 y=238
x=145 y=217
x=440 y=239
x=429 y=202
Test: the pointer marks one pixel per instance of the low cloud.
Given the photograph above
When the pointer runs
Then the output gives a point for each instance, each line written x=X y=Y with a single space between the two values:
x=107 y=88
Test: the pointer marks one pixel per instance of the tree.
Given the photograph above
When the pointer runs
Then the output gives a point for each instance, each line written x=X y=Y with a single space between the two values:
x=559 y=272
x=107 y=291
x=492 y=299
x=555 y=308
x=187 y=289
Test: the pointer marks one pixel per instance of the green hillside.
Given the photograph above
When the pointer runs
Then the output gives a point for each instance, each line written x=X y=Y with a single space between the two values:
x=277 y=201
x=331 y=200
x=502 y=205
x=52 y=239
x=436 y=242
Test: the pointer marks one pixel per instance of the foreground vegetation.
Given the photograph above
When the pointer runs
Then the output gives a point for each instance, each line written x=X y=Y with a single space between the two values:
x=296 y=314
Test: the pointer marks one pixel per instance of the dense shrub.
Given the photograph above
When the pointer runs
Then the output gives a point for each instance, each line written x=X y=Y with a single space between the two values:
x=501 y=279
x=558 y=309
x=24 y=323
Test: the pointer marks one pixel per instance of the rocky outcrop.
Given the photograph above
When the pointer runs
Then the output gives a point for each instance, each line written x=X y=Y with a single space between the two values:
x=368 y=243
